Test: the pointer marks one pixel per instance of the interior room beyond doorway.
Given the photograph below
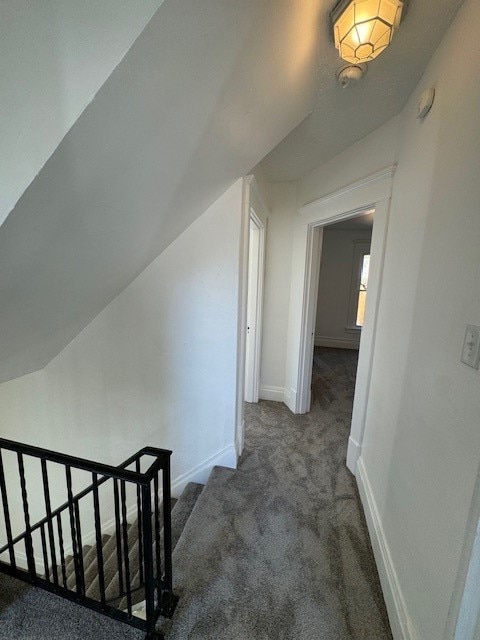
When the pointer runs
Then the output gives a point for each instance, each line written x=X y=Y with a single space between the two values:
x=343 y=282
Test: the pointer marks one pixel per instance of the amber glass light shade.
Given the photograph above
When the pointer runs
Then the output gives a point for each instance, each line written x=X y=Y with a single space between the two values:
x=365 y=28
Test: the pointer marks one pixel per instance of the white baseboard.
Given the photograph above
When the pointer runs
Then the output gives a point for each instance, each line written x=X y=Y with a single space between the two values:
x=225 y=458
x=267 y=392
x=400 y=621
x=290 y=399
x=353 y=454
x=21 y=560
x=336 y=343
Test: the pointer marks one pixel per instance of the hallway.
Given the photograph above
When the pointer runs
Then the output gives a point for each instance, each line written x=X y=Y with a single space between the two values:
x=312 y=450
x=279 y=549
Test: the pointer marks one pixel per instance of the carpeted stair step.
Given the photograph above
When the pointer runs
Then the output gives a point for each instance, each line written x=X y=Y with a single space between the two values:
x=211 y=506
x=110 y=565
x=91 y=572
x=182 y=510
x=112 y=578
x=202 y=510
x=112 y=589
x=111 y=574
x=70 y=565
x=89 y=562
x=180 y=515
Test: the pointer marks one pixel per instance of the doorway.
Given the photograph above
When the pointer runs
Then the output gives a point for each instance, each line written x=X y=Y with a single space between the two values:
x=371 y=194
x=341 y=303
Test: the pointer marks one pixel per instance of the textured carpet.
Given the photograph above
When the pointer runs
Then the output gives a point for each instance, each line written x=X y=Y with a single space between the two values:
x=37 y=615
x=276 y=550
x=279 y=549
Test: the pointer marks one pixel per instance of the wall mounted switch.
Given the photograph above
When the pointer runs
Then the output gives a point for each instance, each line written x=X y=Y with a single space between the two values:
x=471 y=346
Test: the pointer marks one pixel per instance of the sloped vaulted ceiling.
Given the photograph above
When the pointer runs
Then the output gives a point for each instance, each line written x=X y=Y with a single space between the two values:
x=203 y=94
x=54 y=56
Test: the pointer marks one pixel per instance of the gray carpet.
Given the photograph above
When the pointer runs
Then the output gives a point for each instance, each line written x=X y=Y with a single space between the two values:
x=279 y=549
x=37 y=615
x=276 y=550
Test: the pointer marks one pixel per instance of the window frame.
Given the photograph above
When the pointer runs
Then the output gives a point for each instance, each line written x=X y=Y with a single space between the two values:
x=361 y=248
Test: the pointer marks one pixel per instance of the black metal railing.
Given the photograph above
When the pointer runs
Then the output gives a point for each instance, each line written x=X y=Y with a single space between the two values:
x=129 y=502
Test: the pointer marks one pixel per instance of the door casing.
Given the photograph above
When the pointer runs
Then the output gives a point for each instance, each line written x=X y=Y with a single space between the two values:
x=370 y=193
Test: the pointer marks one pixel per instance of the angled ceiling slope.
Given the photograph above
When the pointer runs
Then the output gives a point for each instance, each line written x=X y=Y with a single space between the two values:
x=54 y=56
x=204 y=93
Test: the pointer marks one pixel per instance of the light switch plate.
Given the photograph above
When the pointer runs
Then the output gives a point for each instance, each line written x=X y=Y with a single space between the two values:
x=471 y=346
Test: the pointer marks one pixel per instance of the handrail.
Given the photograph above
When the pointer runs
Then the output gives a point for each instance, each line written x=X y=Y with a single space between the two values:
x=84 y=464
x=154 y=557
x=45 y=454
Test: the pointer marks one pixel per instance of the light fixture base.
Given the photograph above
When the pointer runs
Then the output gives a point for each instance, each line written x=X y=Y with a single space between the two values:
x=350 y=74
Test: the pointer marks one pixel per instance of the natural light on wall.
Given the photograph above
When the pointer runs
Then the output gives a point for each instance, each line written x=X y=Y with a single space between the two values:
x=364 y=28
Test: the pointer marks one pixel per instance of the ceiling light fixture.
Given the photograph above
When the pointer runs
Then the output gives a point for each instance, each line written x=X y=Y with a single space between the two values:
x=364 y=28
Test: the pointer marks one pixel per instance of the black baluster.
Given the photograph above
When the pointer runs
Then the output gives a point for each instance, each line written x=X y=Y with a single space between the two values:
x=6 y=513
x=128 y=586
x=45 y=554
x=28 y=531
x=167 y=526
x=148 y=561
x=98 y=537
x=71 y=510
x=48 y=509
x=80 y=546
x=118 y=534
x=139 y=522
x=62 y=549
x=158 y=557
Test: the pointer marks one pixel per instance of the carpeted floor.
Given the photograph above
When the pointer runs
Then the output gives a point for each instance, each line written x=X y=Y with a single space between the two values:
x=32 y=614
x=279 y=549
x=276 y=550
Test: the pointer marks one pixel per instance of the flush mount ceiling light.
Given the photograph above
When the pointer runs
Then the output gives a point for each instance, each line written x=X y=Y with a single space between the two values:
x=364 y=28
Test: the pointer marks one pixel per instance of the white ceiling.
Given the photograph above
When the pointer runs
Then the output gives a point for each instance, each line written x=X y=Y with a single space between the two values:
x=340 y=117
x=205 y=91
x=54 y=56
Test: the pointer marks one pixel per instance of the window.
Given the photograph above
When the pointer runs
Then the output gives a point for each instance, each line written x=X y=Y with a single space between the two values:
x=359 y=286
x=362 y=290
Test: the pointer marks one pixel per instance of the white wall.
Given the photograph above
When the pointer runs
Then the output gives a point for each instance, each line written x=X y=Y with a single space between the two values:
x=334 y=287
x=54 y=56
x=282 y=200
x=156 y=367
x=368 y=155
x=422 y=440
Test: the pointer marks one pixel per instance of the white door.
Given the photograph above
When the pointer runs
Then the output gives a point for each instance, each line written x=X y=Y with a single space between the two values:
x=254 y=308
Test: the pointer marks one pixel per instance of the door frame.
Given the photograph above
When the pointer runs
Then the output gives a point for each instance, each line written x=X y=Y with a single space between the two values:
x=372 y=192
x=252 y=393
x=252 y=198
